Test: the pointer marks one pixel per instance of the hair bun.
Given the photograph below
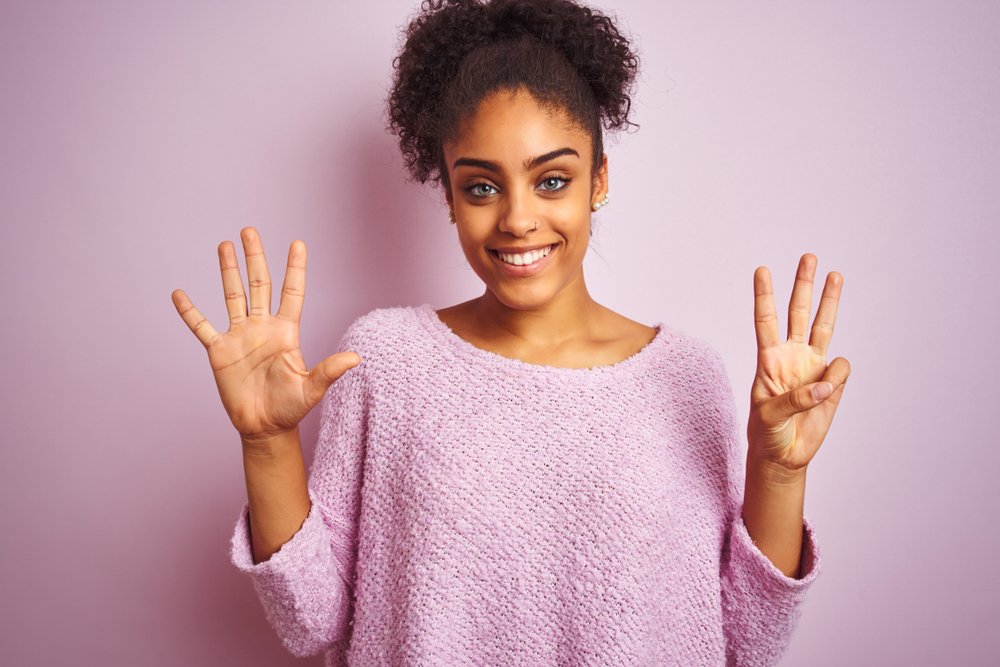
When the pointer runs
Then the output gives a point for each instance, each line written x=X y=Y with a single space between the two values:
x=445 y=32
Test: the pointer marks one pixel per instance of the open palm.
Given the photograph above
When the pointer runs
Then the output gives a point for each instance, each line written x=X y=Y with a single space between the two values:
x=262 y=378
x=788 y=422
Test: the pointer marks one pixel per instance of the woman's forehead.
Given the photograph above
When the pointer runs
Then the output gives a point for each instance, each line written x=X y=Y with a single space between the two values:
x=515 y=127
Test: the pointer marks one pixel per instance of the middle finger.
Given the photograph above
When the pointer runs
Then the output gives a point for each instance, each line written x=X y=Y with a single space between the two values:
x=258 y=276
x=232 y=283
x=801 y=301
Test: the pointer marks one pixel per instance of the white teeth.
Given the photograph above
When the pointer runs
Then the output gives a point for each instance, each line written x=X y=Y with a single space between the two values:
x=525 y=258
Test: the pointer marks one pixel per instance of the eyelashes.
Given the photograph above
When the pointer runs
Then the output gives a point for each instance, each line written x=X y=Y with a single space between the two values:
x=474 y=189
x=482 y=189
x=564 y=181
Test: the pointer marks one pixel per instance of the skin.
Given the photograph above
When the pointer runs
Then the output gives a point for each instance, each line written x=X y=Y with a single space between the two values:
x=548 y=318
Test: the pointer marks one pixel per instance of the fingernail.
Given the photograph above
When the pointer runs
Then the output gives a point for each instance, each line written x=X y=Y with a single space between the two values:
x=822 y=390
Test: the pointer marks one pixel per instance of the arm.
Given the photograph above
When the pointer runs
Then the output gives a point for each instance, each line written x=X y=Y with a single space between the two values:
x=771 y=557
x=773 y=514
x=278 y=497
x=761 y=600
x=296 y=536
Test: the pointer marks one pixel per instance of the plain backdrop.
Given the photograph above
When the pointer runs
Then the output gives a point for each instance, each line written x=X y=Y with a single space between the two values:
x=136 y=136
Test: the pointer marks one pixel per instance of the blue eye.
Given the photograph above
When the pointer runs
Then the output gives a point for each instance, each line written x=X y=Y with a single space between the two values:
x=557 y=183
x=476 y=189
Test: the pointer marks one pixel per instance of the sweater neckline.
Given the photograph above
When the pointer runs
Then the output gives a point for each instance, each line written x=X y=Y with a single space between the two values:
x=444 y=333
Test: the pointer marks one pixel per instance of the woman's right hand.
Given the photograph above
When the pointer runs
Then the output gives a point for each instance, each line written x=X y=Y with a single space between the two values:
x=263 y=380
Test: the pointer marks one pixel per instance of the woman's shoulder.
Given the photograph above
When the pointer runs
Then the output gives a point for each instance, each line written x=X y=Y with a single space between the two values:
x=381 y=327
x=677 y=351
x=680 y=344
x=692 y=362
x=625 y=336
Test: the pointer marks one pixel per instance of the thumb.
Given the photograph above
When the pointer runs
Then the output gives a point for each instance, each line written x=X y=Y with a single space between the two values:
x=326 y=373
x=800 y=399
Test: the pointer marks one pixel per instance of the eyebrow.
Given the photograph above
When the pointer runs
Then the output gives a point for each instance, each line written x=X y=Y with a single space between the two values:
x=528 y=164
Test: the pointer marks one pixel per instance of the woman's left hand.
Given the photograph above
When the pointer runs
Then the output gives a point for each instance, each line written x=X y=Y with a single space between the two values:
x=787 y=421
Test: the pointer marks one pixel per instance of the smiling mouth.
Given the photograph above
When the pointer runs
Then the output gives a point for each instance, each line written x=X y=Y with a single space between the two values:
x=526 y=259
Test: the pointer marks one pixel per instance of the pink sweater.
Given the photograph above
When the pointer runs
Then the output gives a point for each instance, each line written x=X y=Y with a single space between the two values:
x=473 y=509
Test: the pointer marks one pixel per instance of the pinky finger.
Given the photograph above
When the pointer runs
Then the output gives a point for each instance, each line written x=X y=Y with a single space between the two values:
x=201 y=327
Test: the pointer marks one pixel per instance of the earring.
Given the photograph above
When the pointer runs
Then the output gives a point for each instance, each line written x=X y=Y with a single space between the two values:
x=599 y=204
x=451 y=218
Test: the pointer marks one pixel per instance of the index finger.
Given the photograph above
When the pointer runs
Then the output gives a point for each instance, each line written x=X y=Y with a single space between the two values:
x=293 y=290
x=258 y=277
x=826 y=316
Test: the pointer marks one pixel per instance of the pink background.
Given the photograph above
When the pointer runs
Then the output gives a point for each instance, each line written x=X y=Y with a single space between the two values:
x=137 y=136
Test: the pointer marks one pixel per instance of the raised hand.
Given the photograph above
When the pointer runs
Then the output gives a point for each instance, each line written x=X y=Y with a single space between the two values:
x=795 y=393
x=263 y=380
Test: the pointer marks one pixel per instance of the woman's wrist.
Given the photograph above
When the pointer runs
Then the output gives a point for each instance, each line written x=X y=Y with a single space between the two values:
x=266 y=446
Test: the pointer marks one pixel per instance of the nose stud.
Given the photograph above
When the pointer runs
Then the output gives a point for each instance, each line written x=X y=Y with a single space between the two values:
x=597 y=205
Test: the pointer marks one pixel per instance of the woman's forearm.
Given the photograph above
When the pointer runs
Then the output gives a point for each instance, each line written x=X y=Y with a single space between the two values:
x=773 y=505
x=276 y=490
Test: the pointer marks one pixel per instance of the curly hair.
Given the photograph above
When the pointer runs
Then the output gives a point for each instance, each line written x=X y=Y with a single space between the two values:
x=456 y=52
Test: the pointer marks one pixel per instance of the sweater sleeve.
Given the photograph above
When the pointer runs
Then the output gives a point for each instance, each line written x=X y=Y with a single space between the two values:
x=306 y=587
x=761 y=604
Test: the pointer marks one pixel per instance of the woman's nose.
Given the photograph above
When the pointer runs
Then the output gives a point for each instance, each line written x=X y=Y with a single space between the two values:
x=518 y=216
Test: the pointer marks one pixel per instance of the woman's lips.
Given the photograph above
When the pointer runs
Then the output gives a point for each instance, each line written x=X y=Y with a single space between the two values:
x=524 y=269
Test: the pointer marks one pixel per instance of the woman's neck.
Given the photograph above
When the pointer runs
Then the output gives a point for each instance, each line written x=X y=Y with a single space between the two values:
x=570 y=316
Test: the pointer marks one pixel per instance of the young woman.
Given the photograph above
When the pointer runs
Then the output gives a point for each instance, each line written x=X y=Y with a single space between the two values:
x=527 y=477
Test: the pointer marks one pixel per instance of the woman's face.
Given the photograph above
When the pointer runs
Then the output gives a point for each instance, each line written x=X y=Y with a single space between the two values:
x=521 y=179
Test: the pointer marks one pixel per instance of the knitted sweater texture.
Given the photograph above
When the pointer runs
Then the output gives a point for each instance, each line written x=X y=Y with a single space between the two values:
x=474 y=509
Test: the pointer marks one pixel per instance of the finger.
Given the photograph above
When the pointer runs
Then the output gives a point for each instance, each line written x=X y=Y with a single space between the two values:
x=801 y=302
x=826 y=315
x=807 y=396
x=257 y=275
x=764 y=316
x=326 y=373
x=293 y=290
x=834 y=398
x=837 y=372
x=836 y=376
x=194 y=319
x=232 y=283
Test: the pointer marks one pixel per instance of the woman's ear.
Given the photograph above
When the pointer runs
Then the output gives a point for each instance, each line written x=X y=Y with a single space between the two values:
x=450 y=201
x=445 y=179
x=600 y=186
